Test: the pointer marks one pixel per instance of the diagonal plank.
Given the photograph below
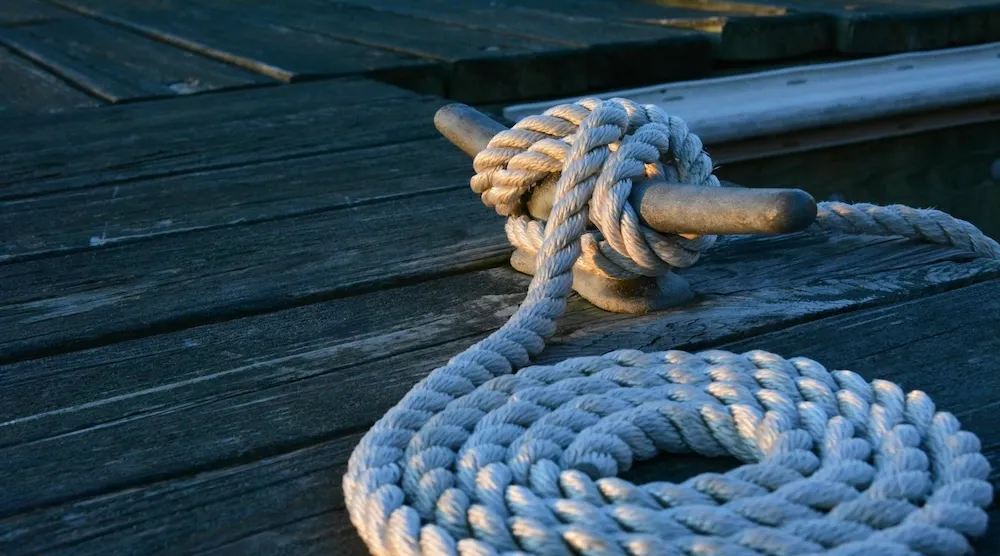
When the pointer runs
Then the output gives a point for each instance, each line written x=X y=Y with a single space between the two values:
x=481 y=66
x=144 y=209
x=613 y=52
x=261 y=500
x=739 y=31
x=27 y=88
x=188 y=134
x=20 y=12
x=311 y=371
x=258 y=45
x=877 y=27
x=118 y=65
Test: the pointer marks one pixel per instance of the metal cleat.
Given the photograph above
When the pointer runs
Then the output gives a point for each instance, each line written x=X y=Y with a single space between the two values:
x=666 y=207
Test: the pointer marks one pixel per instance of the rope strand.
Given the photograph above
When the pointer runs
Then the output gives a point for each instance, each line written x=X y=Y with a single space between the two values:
x=477 y=460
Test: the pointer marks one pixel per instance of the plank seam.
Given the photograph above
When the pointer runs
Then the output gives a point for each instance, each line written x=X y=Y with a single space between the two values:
x=266 y=307
x=139 y=238
x=47 y=70
x=308 y=153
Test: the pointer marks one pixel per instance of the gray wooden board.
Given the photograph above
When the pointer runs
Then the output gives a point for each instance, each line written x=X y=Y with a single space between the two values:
x=616 y=54
x=740 y=31
x=238 y=441
x=186 y=134
x=262 y=46
x=948 y=169
x=136 y=211
x=482 y=66
x=118 y=65
x=19 y=12
x=26 y=88
x=169 y=282
x=892 y=26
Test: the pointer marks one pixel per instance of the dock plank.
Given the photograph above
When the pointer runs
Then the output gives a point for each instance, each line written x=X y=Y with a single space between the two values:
x=140 y=210
x=20 y=12
x=118 y=65
x=213 y=383
x=196 y=133
x=878 y=27
x=472 y=65
x=615 y=52
x=739 y=31
x=26 y=88
x=78 y=299
x=276 y=482
x=262 y=46
x=482 y=66
x=948 y=169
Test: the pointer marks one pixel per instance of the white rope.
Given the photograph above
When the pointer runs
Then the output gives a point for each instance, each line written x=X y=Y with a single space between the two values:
x=477 y=460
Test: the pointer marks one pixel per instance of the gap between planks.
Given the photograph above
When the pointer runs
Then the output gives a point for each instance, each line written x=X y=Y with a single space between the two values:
x=121 y=144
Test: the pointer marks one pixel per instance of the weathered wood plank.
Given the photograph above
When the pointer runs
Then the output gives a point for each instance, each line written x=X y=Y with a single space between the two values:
x=118 y=65
x=212 y=384
x=482 y=66
x=614 y=52
x=477 y=65
x=947 y=168
x=220 y=511
x=263 y=46
x=761 y=105
x=891 y=26
x=140 y=210
x=68 y=301
x=187 y=134
x=289 y=493
x=753 y=32
x=25 y=88
x=20 y=12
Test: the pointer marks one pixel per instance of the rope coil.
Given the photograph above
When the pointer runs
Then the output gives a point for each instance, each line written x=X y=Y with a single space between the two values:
x=477 y=460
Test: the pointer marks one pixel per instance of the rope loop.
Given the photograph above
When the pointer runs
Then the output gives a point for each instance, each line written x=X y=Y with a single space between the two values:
x=652 y=146
x=478 y=460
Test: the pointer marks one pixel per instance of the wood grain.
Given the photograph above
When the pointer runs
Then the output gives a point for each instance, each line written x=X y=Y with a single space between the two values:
x=615 y=52
x=118 y=65
x=136 y=211
x=26 y=88
x=20 y=12
x=482 y=66
x=740 y=32
x=187 y=134
x=263 y=46
x=468 y=64
x=213 y=384
x=274 y=404
x=947 y=168
x=79 y=299
x=875 y=27
x=741 y=107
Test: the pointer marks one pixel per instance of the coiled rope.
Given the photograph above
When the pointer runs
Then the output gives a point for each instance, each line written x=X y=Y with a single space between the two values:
x=477 y=460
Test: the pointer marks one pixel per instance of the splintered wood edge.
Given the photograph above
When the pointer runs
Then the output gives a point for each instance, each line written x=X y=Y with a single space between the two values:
x=746 y=106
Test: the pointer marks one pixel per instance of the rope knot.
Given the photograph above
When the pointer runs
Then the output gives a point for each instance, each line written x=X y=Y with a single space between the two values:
x=647 y=145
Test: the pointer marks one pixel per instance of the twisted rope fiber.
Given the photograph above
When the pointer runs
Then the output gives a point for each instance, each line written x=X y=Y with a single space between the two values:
x=477 y=460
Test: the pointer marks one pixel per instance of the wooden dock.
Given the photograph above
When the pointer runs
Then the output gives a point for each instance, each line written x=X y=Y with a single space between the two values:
x=231 y=239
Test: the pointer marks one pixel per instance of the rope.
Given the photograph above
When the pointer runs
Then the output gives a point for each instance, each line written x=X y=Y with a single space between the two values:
x=477 y=460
